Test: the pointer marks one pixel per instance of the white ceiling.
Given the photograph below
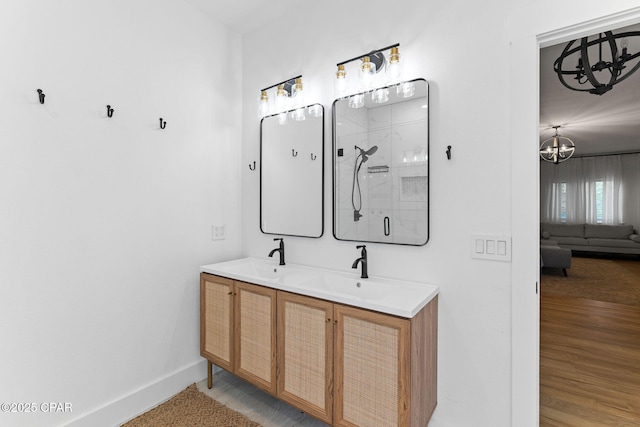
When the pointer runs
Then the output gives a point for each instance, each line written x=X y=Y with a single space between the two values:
x=608 y=123
x=244 y=15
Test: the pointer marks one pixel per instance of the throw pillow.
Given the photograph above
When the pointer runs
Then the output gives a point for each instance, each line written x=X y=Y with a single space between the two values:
x=546 y=235
x=635 y=238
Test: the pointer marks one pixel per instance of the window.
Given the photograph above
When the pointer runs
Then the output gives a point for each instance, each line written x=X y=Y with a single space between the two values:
x=563 y=201
x=594 y=199
x=599 y=201
x=591 y=190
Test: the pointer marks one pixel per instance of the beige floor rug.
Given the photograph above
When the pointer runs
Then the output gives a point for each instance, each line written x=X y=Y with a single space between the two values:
x=191 y=408
x=610 y=280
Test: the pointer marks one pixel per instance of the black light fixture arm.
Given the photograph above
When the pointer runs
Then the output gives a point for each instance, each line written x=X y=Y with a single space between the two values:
x=373 y=52
x=290 y=82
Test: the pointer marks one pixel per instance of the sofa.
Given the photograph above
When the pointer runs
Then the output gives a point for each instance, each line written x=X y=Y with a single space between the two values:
x=553 y=256
x=616 y=239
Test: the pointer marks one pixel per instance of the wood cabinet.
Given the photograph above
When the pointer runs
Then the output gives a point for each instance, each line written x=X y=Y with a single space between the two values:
x=343 y=365
x=305 y=354
x=385 y=367
x=238 y=329
x=216 y=320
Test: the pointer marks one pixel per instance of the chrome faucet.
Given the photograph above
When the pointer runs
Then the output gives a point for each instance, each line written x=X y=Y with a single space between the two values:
x=279 y=249
x=363 y=261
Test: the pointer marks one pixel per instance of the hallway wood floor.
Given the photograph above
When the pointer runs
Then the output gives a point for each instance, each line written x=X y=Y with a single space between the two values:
x=589 y=363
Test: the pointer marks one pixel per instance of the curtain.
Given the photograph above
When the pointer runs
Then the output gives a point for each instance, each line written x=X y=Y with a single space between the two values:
x=631 y=189
x=594 y=190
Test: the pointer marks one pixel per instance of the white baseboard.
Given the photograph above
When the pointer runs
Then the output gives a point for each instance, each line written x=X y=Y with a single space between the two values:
x=119 y=411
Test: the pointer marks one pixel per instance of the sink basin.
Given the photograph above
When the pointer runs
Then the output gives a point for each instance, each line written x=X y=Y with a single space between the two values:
x=255 y=268
x=400 y=298
x=260 y=269
x=364 y=289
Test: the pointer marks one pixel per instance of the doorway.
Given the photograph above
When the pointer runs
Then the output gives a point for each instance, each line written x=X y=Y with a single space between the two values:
x=589 y=344
x=531 y=29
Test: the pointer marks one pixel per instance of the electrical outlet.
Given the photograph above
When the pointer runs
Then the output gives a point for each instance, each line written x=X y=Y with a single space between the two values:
x=217 y=232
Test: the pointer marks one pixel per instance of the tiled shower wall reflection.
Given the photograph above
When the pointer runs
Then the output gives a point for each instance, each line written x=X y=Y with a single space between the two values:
x=393 y=181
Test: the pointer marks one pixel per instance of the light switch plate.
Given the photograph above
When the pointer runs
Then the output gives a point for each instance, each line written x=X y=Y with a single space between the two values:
x=218 y=232
x=491 y=246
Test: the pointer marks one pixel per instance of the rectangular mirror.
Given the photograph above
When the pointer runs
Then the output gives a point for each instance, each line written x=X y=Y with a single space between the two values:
x=381 y=165
x=292 y=172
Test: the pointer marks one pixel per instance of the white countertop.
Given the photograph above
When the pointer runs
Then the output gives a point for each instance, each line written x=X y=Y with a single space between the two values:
x=396 y=297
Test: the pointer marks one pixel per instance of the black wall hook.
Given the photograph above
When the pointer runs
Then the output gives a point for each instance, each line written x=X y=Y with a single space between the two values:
x=254 y=166
x=294 y=153
x=41 y=96
x=448 y=152
x=313 y=157
x=163 y=124
x=109 y=111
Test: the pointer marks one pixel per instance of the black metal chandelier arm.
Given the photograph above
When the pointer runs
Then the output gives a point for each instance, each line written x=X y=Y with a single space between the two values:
x=578 y=77
x=633 y=70
x=568 y=51
x=557 y=67
x=598 y=87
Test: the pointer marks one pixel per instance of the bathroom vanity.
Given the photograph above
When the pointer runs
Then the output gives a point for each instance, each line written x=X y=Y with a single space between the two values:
x=348 y=351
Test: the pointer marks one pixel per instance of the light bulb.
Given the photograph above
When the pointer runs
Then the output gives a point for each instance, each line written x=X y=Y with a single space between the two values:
x=367 y=71
x=340 y=82
x=624 y=44
x=406 y=89
x=315 y=110
x=297 y=87
x=356 y=101
x=281 y=98
x=263 y=105
x=297 y=93
x=282 y=118
x=298 y=114
x=394 y=67
x=380 y=96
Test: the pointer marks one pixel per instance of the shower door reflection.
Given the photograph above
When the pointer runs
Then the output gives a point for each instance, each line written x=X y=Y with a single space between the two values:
x=381 y=172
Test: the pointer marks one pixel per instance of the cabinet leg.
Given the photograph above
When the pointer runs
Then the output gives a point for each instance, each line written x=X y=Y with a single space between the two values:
x=209 y=374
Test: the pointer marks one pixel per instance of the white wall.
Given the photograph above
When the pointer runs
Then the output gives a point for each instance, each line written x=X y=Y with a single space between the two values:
x=104 y=221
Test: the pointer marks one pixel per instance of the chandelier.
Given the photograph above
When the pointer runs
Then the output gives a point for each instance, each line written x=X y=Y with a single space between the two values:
x=601 y=63
x=557 y=148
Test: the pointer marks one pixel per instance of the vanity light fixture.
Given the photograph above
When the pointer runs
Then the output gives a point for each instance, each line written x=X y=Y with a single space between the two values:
x=368 y=71
x=557 y=148
x=284 y=91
